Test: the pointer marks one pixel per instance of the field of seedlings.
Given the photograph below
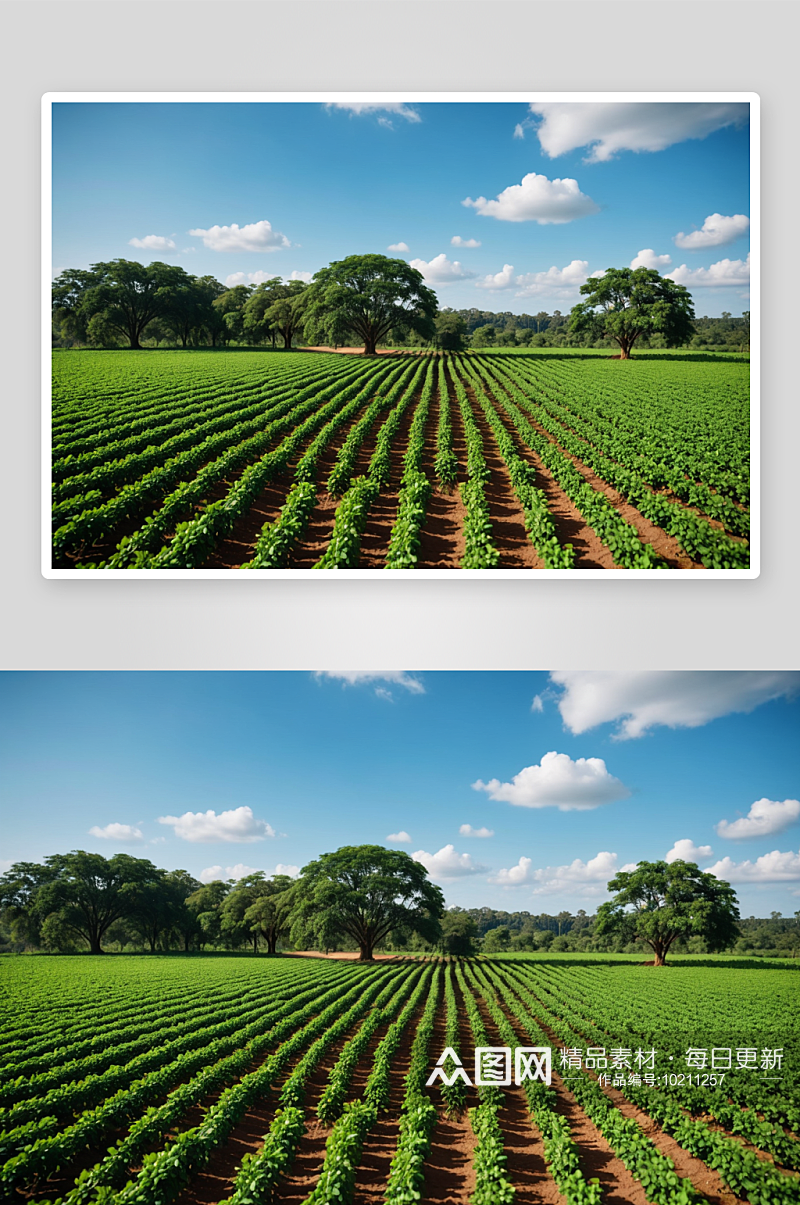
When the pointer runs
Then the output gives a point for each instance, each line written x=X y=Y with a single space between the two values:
x=149 y=1080
x=311 y=460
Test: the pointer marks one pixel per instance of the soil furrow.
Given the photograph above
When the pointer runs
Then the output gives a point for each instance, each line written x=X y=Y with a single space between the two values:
x=442 y=535
x=375 y=540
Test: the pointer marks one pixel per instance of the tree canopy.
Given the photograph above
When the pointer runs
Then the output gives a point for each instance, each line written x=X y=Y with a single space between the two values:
x=660 y=902
x=370 y=296
x=626 y=303
x=367 y=892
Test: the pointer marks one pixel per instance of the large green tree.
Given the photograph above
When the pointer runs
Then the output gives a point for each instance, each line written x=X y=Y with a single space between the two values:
x=369 y=296
x=90 y=892
x=365 y=892
x=660 y=902
x=268 y=915
x=276 y=307
x=130 y=295
x=627 y=303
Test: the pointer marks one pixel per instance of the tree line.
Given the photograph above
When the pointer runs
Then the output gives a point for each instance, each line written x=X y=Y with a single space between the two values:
x=361 y=898
x=365 y=300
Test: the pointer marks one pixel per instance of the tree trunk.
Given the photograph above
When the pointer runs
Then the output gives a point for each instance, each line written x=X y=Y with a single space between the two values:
x=272 y=942
x=366 y=953
x=94 y=945
x=370 y=348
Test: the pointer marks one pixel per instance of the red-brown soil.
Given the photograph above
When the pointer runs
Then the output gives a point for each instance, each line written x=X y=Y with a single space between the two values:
x=442 y=534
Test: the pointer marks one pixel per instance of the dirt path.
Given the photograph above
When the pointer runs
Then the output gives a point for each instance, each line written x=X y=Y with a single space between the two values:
x=442 y=534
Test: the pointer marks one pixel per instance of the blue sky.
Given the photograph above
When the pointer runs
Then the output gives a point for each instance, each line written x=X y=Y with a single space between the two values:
x=245 y=191
x=562 y=778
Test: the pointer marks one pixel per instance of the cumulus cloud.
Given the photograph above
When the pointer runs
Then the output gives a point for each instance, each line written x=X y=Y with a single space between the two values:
x=446 y=864
x=579 y=878
x=537 y=704
x=715 y=232
x=726 y=273
x=766 y=816
x=458 y=241
x=607 y=129
x=560 y=782
x=440 y=270
x=356 y=677
x=240 y=871
x=125 y=834
x=401 y=838
x=555 y=282
x=259 y=277
x=638 y=700
x=398 y=247
x=649 y=259
x=774 y=867
x=397 y=110
x=537 y=199
x=153 y=242
x=467 y=830
x=237 y=824
x=685 y=850
x=257 y=236
x=515 y=876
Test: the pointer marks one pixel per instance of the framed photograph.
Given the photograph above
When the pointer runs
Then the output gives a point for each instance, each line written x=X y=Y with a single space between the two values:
x=344 y=334
x=332 y=971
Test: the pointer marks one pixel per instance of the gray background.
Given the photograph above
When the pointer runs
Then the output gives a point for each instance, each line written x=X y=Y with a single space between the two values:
x=381 y=624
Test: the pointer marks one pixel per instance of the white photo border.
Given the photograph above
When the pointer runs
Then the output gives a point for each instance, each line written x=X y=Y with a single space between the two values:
x=412 y=97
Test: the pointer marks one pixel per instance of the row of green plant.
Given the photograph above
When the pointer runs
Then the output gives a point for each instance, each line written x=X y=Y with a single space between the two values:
x=621 y=538
x=538 y=520
x=696 y=535
x=744 y=1172
x=480 y=550
x=415 y=488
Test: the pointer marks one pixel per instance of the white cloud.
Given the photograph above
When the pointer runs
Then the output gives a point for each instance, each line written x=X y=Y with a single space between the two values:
x=515 y=876
x=257 y=236
x=447 y=864
x=676 y=698
x=774 y=867
x=579 y=878
x=467 y=830
x=440 y=270
x=560 y=782
x=685 y=850
x=610 y=128
x=125 y=834
x=537 y=199
x=240 y=871
x=458 y=241
x=649 y=259
x=537 y=704
x=399 y=110
x=153 y=242
x=555 y=282
x=355 y=677
x=726 y=273
x=398 y=247
x=766 y=816
x=259 y=277
x=402 y=838
x=715 y=232
x=237 y=824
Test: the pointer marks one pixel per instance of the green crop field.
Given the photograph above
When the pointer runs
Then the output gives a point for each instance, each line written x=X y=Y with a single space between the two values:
x=519 y=460
x=148 y=1080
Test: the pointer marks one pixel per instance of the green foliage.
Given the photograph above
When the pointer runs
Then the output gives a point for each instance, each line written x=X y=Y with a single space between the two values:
x=368 y=296
x=662 y=901
x=367 y=892
x=626 y=303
